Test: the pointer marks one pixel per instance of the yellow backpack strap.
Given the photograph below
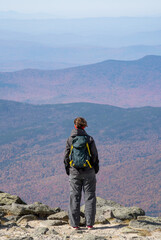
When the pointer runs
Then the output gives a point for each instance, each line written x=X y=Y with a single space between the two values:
x=71 y=150
x=71 y=162
x=70 y=154
x=88 y=149
x=87 y=145
x=89 y=163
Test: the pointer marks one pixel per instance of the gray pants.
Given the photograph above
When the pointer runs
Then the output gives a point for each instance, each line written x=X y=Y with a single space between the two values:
x=87 y=181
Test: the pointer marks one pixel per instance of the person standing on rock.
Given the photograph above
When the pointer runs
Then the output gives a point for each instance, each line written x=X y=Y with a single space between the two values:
x=81 y=164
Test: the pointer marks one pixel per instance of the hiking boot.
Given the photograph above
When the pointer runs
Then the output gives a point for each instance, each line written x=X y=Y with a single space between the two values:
x=76 y=228
x=90 y=227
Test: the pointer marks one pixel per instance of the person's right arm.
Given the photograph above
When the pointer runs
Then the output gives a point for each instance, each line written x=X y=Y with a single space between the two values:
x=66 y=157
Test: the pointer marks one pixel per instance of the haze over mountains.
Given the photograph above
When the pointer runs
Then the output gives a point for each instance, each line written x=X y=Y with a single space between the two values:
x=40 y=43
x=32 y=143
x=119 y=83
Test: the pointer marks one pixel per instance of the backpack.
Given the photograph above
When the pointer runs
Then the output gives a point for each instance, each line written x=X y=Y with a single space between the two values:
x=80 y=153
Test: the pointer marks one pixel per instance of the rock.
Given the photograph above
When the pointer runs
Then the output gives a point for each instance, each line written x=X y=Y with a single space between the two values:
x=129 y=230
x=8 y=199
x=103 y=210
x=38 y=209
x=10 y=224
x=82 y=221
x=100 y=219
x=106 y=214
x=4 y=219
x=145 y=225
x=27 y=226
x=2 y=214
x=22 y=238
x=59 y=216
x=52 y=232
x=12 y=218
x=127 y=213
x=104 y=205
x=50 y=223
x=27 y=238
x=27 y=218
x=107 y=209
x=41 y=230
x=150 y=219
x=100 y=202
x=89 y=237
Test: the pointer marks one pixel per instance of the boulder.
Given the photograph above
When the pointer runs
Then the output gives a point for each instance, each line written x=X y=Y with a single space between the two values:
x=127 y=213
x=100 y=202
x=100 y=219
x=59 y=216
x=108 y=209
x=103 y=205
x=38 y=209
x=8 y=199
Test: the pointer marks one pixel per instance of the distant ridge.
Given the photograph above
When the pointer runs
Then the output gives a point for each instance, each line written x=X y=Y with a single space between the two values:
x=118 y=83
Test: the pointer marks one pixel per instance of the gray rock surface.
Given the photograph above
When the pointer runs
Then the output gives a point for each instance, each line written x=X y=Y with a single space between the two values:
x=125 y=213
x=12 y=218
x=41 y=230
x=109 y=209
x=52 y=232
x=100 y=219
x=150 y=219
x=145 y=225
x=2 y=214
x=38 y=209
x=30 y=222
x=8 y=199
x=59 y=216
x=22 y=238
x=27 y=218
x=49 y=223
x=100 y=202
x=82 y=221
x=92 y=237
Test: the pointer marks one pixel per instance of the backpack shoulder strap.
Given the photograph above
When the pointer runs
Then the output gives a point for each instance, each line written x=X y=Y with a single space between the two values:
x=71 y=150
x=89 y=152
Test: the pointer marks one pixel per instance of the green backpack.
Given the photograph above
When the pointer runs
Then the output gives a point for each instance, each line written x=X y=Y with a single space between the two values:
x=80 y=153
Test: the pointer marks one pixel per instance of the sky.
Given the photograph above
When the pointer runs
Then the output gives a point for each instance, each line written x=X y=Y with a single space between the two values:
x=85 y=8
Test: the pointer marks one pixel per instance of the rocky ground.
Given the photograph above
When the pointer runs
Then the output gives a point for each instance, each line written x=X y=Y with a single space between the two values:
x=19 y=221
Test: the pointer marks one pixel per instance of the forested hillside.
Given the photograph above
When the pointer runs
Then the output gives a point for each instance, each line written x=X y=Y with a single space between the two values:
x=32 y=143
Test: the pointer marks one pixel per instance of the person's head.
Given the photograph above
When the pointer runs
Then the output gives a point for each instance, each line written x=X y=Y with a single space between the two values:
x=80 y=122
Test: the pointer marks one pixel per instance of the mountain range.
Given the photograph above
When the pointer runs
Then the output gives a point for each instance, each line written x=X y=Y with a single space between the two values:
x=45 y=42
x=32 y=143
x=18 y=55
x=119 y=83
